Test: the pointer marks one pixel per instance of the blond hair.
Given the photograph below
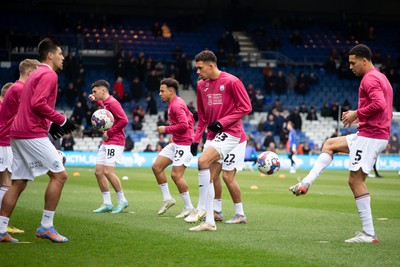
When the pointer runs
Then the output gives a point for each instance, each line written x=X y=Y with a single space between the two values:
x=28 y=64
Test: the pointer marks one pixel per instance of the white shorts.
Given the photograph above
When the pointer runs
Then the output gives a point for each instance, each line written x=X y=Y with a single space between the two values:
x=6 y=158
x=224 y=143
x=235 y=159
x=34 y=157
x=178 y=154
x=364 y=151
x=109 y=155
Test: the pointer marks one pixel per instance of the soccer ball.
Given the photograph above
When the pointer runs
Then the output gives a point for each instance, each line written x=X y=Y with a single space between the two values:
x=268 y=162
x=62 y=156
x=102 y=120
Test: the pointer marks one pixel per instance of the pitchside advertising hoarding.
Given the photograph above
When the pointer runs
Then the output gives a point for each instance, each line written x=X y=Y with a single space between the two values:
x=135 y=159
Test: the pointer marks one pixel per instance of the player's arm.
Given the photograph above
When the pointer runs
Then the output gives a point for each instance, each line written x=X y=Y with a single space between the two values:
x=39 y=100
x=120 y=119
x=242 y=102
x=182 y=124
x=377 y=102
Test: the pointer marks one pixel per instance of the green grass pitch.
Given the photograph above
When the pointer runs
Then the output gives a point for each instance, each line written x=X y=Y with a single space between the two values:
x=283 y=230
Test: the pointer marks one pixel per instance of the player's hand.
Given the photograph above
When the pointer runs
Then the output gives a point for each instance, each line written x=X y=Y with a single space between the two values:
x=56 y=131
x=349 y=117
x=69 y=126
x=193 y=148
x=160 y=129
x=215 y=126
x=105 y=136
x=91 y=97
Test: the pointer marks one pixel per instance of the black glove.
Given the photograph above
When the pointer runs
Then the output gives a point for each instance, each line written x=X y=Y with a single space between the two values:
x=193 y=148
x=215 y=126
x=56 y=131
x=69 y=126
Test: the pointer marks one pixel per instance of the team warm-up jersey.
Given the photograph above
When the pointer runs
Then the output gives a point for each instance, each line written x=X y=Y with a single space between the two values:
x=116 y=134
x=375 y=101
x=181 y=122
x=9 y=110
x=225 y=100
x=36 y=108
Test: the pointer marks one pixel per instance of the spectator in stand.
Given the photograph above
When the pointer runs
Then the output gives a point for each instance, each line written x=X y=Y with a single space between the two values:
x=277 y=105
x=119 y=90
x=306 y=148
x=258 y=102
x=291 y=81
x=268 y=139
x=302 y=85
x=136 y=123
x=312 y=115
x=156 y=29
x=129 y=144
x=151 y=105
x=251 y=153
x=136 y=89
x=296 y=39
x=269 y=82
x=70 y=67
x=131 y=64
x=330 y=66
x=296 y=119
x=153 y=82
x=172 y=72
x=280 y=149
x=279 y=121
x=280 y=81
x=165 y=30
x=160 y=121
x=303 y=108
x=251 y=91
x=335 y=110
x=270 y=124
x=326 y=110
x=78 y=113
x=161 y=142
x=68 y=142
x=140 y=112
x=394 y=145
x=148 y=148
x=71 y=94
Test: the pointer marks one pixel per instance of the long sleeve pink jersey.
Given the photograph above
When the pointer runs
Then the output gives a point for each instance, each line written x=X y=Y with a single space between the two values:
x=375 y=101
x=9 y=110
x=116 y=134
x=181 y=122
x=225 y=100
x=36 y=108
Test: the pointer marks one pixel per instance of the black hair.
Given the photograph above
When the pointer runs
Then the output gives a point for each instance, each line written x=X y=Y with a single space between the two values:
x=170 y=82
x=101 y=83
x=47 y=45
x=361 y=51
x=206 y=56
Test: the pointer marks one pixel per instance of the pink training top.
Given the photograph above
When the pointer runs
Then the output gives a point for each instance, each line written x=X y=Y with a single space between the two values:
x=9 y=110
x=181 y=122
x=225 y=100
x=375 y=101
x=116 y=134
x=36 y=108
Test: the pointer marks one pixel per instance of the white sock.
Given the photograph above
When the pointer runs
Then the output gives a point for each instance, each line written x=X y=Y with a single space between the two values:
x=187 y=203
x=204 y=181
x=106 y=198
x=323 y=161
x=364 y=209
x=239 y=208
x=121 y=196
x=3 y=190
x=3 y=224
x=218 y=205
x=165 y=191
x=210 y=205
x=47 y=219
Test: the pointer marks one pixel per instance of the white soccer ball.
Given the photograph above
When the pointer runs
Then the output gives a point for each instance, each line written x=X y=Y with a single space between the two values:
x=102 y=120
x=268 y=162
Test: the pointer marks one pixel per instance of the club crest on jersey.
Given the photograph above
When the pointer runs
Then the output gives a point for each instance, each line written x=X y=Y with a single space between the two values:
x=222 y=88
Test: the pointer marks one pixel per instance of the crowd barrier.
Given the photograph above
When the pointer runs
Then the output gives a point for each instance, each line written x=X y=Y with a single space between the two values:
x=146 y=159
